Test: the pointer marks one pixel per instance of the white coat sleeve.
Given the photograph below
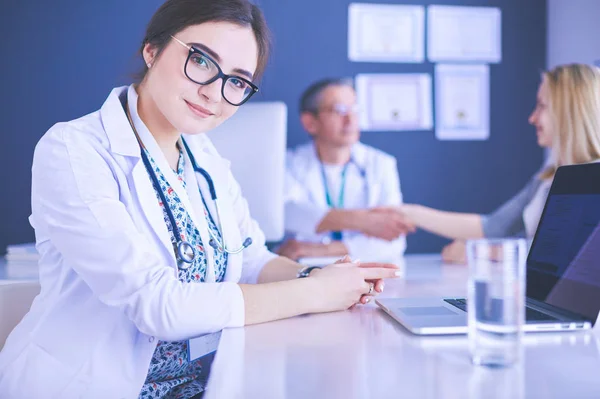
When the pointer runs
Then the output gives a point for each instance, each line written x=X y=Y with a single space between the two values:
x=302 y=216
x=374 y=249
x=76 y=204
x=256 y=256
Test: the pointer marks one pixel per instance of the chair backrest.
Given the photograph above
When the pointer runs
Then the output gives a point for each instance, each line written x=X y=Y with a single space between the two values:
x=15 y=301
x=254 y=141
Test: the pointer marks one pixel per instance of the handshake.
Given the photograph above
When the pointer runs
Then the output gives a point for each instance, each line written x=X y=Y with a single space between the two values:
x=386 y=222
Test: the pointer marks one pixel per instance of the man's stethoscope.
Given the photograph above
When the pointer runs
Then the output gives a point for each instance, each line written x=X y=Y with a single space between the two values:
x=184 y=250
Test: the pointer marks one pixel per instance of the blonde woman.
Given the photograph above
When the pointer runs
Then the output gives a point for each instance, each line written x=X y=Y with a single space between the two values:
x=567 y=120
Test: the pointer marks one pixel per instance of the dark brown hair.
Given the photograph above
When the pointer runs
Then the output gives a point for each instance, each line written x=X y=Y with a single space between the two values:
x=176 y=15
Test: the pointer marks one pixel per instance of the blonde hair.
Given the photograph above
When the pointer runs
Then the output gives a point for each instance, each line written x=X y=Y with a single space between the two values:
x=574 y=101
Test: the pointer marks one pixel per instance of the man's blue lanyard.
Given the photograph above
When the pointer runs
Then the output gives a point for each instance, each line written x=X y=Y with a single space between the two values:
x=335 y=235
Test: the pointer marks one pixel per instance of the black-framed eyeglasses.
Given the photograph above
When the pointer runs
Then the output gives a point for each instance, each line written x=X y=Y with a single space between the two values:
x=200 y=68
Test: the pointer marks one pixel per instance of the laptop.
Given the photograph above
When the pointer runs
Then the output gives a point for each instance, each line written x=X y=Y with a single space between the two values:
x=563 y=266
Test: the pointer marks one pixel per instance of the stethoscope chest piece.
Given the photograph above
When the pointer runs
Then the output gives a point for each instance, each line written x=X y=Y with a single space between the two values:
x=186 y=254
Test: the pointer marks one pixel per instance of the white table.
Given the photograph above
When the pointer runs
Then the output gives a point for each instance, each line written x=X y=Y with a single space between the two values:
x=363 y=353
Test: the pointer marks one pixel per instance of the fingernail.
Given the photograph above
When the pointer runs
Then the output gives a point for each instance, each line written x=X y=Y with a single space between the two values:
x=380 y=289
x=356 y=261
x=367 y=300
x=398 y=273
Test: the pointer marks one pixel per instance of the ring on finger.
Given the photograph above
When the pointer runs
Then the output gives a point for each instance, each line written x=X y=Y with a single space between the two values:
x=371 y=287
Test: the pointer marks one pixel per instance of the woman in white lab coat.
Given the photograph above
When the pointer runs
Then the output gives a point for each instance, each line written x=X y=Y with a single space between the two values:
x=144 y=238
x=567 y=121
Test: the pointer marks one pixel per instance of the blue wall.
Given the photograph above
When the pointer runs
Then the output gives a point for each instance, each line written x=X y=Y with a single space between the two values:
x=60 y=60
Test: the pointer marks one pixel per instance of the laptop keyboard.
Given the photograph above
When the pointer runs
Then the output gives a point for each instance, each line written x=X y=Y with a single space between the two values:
x=458 y=303
x=530 y=314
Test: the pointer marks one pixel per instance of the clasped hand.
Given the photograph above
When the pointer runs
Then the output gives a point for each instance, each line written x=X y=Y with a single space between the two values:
x=345 y=284
x=387 y=223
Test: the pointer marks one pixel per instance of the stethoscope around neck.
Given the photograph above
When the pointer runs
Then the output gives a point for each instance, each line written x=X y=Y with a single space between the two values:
x=185 y=252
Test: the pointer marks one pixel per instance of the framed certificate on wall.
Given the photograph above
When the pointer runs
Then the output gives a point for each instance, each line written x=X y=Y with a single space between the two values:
x=386 y=33
x=394 y=101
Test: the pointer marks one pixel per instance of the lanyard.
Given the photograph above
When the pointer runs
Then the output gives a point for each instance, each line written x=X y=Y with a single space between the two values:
x=335 y=235
x=340 y=203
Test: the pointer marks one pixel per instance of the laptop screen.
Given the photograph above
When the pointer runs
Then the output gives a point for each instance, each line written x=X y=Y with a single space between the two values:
x=563 y=267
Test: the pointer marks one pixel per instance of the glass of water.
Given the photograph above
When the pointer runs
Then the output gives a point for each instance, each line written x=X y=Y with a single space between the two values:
x=496 y=300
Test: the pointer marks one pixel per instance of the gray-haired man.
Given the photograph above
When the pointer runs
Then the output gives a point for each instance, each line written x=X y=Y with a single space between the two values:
x=339 y=192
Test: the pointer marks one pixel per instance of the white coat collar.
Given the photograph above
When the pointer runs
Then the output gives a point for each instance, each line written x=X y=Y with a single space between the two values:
x=117 y=128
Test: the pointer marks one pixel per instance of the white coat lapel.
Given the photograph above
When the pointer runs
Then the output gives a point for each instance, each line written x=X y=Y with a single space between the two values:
x=150 y=205
x=373 y=188
x=368 y=173
x=372 y=185
x=123 y=142
x=313 y=177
